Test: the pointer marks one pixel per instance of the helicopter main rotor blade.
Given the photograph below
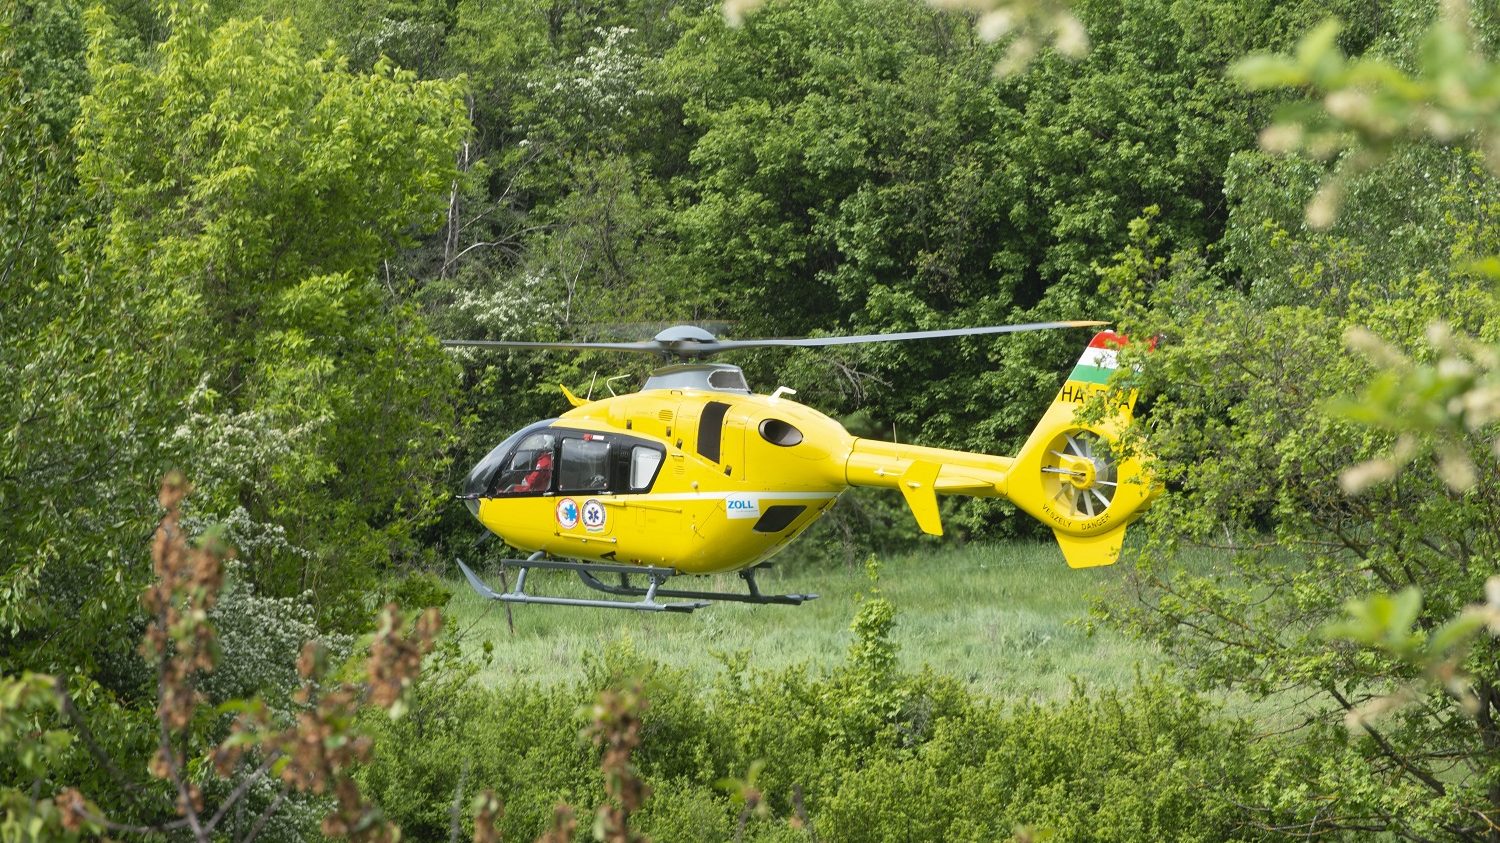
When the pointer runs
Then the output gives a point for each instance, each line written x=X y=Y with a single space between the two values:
x=647 y=346
x=818 y=342
x=688 y=342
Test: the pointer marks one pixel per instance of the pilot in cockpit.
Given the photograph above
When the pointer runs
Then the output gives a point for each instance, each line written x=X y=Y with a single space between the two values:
x=539 y=479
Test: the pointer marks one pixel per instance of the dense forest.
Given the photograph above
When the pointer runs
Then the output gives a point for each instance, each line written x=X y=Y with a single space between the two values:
x=232 y=235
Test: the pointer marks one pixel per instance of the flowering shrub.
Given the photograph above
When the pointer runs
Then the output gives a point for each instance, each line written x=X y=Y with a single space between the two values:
x=259 y=640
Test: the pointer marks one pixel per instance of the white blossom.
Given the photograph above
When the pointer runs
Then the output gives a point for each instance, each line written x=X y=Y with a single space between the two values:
x=606 y=80
x=259 y=640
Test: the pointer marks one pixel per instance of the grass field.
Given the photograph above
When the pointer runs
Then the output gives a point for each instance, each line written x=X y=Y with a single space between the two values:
x=1006 y=619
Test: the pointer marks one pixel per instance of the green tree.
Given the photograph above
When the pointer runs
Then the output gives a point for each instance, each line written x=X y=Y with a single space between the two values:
x=1376 y=275
x=262 y=191
x=1252 y=451
x=86 y=389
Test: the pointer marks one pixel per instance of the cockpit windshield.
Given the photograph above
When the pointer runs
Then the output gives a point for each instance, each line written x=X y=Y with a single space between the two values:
x=482 y=480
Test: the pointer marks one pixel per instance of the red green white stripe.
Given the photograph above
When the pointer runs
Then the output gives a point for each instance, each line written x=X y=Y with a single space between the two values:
x=1099 y=360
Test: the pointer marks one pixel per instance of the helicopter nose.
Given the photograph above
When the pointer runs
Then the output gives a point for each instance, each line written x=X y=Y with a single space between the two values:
x=481 y=477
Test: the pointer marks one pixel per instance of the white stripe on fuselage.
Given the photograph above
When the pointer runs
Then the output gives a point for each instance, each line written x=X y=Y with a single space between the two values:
x=719 y=496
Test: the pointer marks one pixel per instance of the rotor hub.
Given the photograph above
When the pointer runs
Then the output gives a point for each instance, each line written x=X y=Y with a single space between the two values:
x=1079 y=472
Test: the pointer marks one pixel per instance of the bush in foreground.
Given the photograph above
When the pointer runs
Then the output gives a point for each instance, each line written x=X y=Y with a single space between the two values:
x=862 y=753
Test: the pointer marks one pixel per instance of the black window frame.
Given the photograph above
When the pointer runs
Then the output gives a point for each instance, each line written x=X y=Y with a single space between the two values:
x=617 y=462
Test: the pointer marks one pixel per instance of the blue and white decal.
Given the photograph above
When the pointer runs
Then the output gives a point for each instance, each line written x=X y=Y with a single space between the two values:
x=742 y=506
x=594 y=516
x=567 y=513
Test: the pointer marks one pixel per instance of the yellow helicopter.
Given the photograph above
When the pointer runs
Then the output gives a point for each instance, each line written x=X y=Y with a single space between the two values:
x=695 y=474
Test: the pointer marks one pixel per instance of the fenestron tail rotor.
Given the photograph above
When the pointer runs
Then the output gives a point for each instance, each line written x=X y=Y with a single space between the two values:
x=1080 y=475
x=691 y=342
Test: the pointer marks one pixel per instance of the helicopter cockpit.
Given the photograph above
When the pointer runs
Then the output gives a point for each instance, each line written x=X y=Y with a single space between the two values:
x=479 y=483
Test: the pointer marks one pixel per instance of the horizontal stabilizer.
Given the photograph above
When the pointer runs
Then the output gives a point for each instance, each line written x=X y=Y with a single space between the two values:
x=1091 y=551
x=919 y=487
x=958 y=484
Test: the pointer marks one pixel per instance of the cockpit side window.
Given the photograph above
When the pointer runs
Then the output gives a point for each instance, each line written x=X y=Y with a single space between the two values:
x=528 y=469
x=644 y=463
x=585 y=464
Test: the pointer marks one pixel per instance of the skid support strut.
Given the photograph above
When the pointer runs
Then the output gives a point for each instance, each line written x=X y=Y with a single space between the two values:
x=589 y=573
x=753 y=594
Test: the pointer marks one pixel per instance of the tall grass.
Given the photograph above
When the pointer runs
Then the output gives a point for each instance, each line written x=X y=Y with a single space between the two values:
x=1005 y=619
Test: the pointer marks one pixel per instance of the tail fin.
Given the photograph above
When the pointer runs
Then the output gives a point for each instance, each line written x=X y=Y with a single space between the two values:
x=1068 y=475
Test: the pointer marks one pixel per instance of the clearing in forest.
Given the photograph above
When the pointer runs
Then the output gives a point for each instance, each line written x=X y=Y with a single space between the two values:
x=1008 y=620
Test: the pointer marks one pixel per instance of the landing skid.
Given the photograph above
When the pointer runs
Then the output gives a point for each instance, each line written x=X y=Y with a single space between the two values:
x=589 y=573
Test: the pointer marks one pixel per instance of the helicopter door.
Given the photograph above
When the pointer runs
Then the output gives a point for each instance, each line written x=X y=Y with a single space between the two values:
x=721 y=438
x=732 y=448
x=584 y=465
x=584 y=476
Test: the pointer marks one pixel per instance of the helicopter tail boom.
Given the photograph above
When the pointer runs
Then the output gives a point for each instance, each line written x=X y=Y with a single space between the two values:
x=922 y=473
